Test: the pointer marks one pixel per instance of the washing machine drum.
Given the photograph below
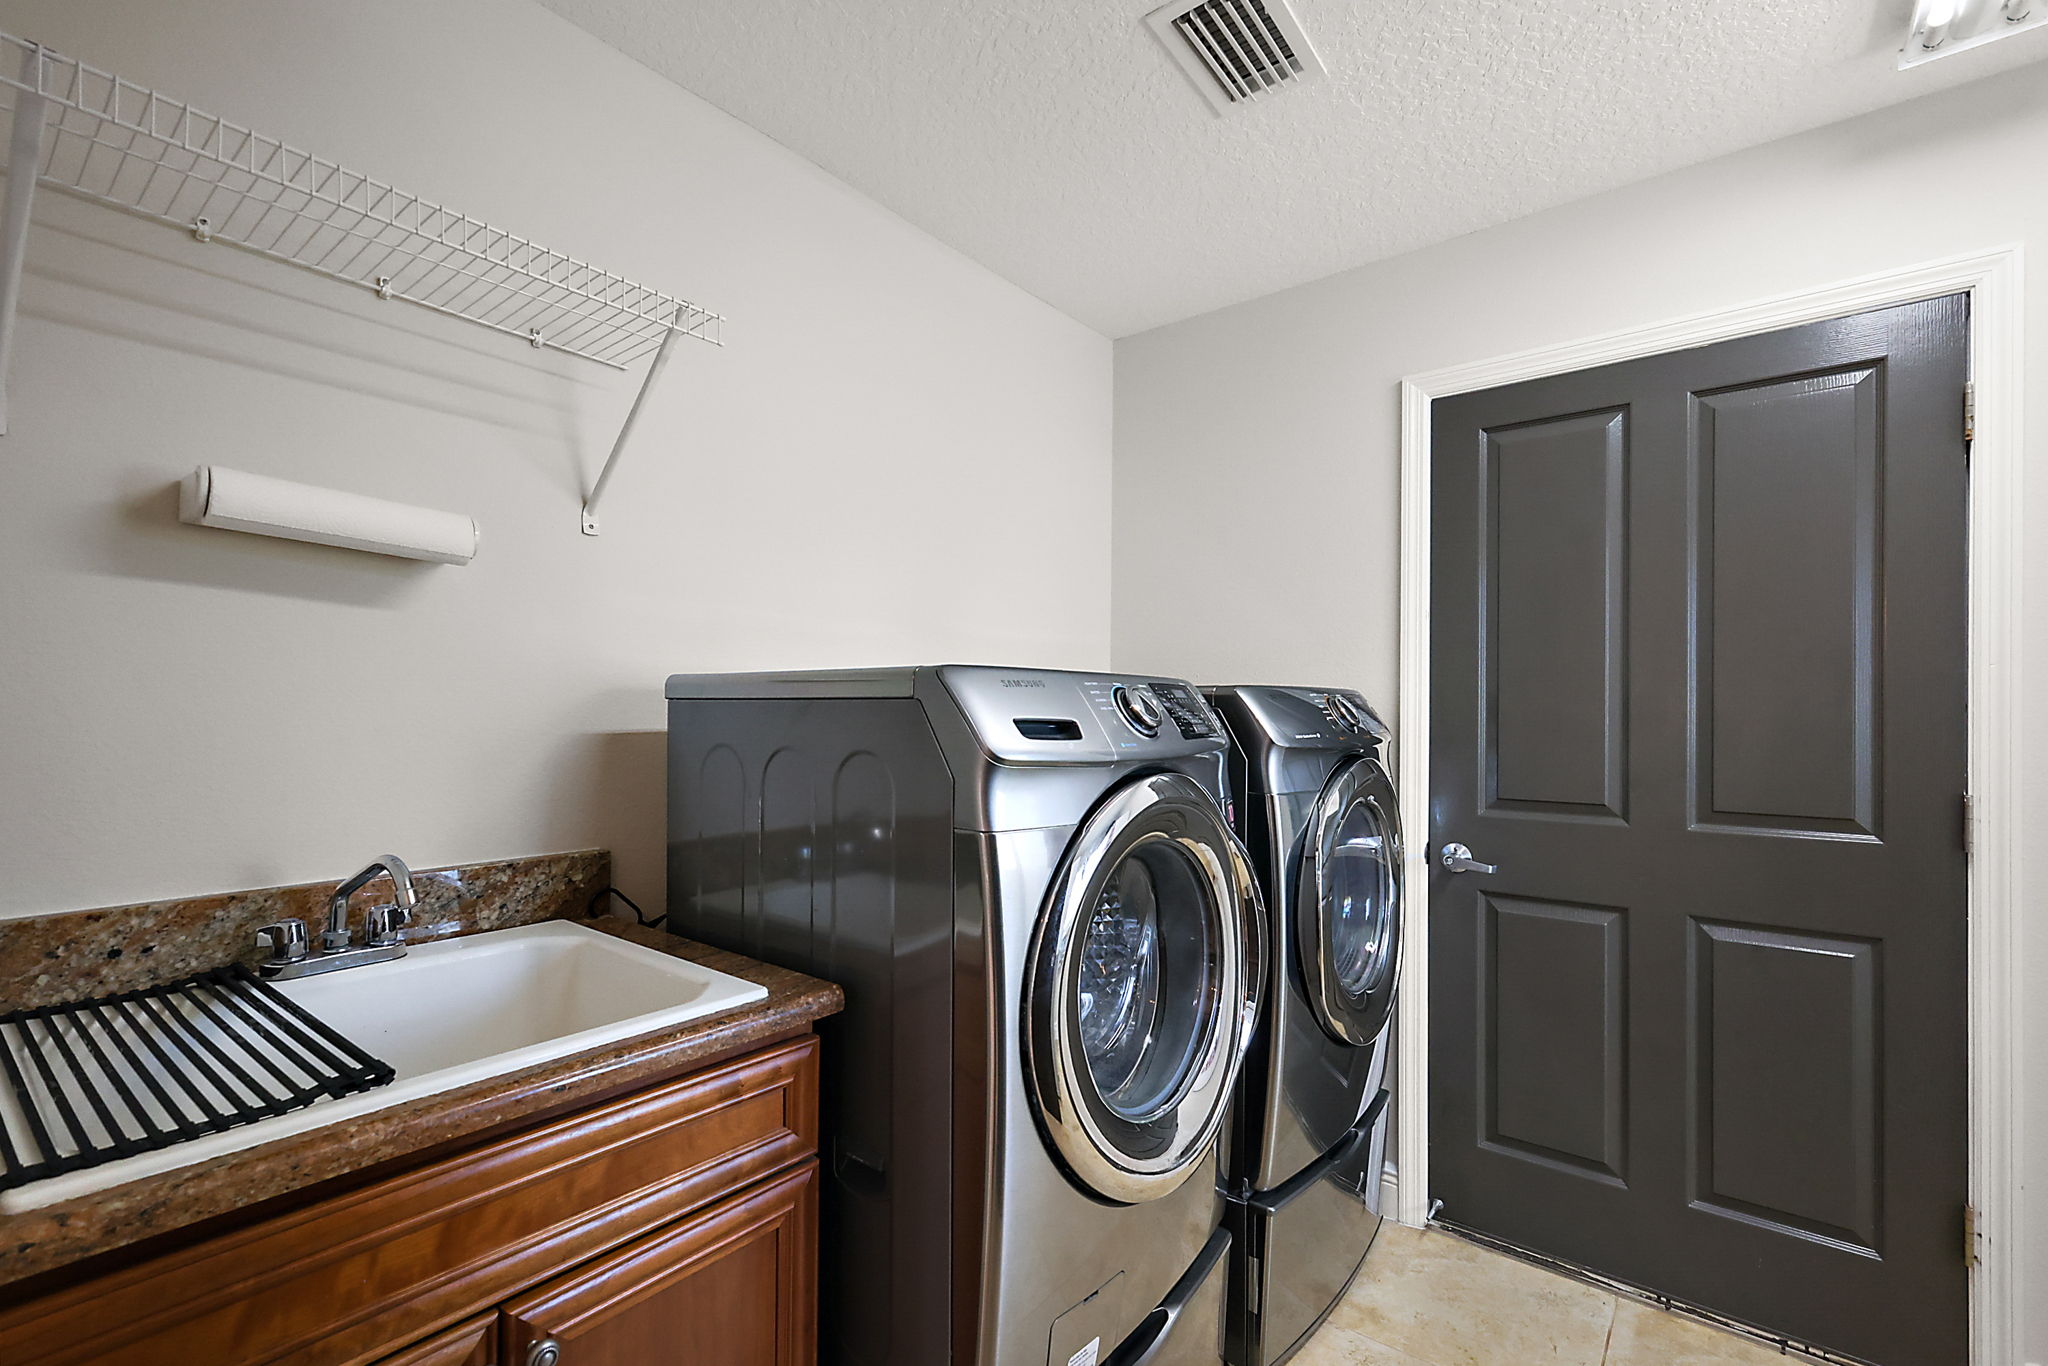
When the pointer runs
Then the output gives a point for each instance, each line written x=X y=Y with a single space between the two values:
x=1143 y=986
x=1348 y=903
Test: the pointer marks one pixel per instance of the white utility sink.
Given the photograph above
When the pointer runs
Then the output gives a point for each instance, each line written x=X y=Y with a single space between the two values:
x=453 y=1012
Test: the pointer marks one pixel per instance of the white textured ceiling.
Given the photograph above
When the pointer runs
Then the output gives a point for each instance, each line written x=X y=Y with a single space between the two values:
x=1055 y=142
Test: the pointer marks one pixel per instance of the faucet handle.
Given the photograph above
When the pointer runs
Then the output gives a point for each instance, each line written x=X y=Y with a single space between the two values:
x=286 y=940
x=381 y=925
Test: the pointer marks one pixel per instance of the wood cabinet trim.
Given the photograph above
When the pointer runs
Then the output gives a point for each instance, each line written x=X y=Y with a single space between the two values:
x=342 y=1281
x=528 y=1178
x=472 y=1342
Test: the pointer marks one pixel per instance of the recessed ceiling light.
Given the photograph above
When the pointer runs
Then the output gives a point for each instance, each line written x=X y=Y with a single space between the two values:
x=1941 y=27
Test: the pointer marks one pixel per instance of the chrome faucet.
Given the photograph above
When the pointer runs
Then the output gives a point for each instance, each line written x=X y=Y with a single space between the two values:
x=291 y=955
x=379 y=929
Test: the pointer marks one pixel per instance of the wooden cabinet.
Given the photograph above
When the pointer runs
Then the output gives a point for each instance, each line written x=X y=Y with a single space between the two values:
x=661 y=1217
x=733 y=1285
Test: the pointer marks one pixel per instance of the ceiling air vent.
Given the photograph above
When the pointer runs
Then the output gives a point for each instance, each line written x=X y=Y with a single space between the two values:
x=1237 y=51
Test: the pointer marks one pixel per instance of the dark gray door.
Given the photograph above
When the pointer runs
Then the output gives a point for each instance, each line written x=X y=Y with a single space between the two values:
x=1698 y=643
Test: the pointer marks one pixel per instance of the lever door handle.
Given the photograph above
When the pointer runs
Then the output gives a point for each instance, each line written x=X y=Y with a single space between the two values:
x=1458 y=859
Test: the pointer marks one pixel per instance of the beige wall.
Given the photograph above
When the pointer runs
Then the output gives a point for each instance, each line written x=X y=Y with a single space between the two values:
x=1260 y=443
x=191 y=710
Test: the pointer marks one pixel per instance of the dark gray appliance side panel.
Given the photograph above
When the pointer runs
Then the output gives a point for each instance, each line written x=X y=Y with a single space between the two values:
x=978 y=996
x=1251 y=817
x=817 y=833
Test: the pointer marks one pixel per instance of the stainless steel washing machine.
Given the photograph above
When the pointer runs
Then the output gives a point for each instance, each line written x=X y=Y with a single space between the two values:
x=1052 y=950
x=1316 y=807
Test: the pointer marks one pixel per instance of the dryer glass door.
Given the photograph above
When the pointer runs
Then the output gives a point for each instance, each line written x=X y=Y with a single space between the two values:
x=1351 y=886
x=1143 y=987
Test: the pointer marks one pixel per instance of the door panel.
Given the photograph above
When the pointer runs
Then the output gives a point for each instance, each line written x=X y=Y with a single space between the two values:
x=1554 y=567
x=1698 y=640
x=1786 y=489
x=1557 y=1033
x=1785 y=1075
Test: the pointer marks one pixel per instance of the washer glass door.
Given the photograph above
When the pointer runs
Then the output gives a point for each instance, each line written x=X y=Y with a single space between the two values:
x=1142 y=989
x=1350 y=894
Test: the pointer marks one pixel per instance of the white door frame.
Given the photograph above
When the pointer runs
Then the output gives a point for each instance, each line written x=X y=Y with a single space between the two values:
x=1992 y=279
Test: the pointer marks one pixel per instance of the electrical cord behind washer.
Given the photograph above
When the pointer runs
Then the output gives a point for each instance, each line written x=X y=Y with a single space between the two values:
x=638 y=914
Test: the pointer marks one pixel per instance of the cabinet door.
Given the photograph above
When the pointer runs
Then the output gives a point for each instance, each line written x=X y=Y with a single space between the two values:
x=468 y=1343
x=735 y=1285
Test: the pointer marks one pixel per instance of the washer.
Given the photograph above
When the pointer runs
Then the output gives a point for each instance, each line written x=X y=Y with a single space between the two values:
x=1052 y=948
x=1317 y=810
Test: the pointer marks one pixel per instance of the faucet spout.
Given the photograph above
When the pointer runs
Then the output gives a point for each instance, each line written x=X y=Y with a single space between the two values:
x=336 y=937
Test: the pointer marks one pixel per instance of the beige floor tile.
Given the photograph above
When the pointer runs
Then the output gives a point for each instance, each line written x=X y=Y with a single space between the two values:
x=1645 y=1336
x=1334 y=1345
x=1454 y=1304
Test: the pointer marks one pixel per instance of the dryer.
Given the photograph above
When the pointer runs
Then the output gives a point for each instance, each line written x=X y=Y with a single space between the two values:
x=1316 y=807
x=1052 y=950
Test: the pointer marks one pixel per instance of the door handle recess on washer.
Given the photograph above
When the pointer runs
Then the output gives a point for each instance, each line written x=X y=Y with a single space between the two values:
x=1283 y=1195
x=1146 y=1343
x=1458 y=859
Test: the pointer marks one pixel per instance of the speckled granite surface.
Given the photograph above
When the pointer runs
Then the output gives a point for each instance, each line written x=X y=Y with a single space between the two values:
x=38 y=1242
x=45 y=959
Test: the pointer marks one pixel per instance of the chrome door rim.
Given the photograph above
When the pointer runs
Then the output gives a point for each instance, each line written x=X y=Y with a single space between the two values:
x=1361 y=779
x=1075 y=1117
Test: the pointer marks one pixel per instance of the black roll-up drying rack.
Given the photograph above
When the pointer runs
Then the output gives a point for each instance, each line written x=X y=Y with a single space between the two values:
x=97 y=1080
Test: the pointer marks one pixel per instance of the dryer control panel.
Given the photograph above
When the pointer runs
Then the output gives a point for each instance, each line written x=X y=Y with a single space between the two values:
x=1313 y=718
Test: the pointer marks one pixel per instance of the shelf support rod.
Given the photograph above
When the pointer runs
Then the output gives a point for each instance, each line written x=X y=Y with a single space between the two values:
x=24 y=164
x=654 y=368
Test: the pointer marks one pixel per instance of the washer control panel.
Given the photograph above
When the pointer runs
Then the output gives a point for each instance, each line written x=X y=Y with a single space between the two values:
x=1051 y=716
x=1191 y=715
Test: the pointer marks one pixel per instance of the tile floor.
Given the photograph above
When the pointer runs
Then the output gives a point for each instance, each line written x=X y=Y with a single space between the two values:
x=1428 y=1299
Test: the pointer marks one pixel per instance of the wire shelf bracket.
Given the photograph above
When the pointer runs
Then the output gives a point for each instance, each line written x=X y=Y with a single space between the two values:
x=97 y=136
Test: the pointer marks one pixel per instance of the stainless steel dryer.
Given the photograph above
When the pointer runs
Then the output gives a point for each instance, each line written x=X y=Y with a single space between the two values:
x=1316 y=807
x=1052 y=949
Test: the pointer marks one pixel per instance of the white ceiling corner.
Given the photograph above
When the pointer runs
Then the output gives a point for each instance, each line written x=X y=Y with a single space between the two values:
x=1055 y=142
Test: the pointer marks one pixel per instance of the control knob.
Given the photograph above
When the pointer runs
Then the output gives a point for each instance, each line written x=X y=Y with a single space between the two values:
x=1138 y=709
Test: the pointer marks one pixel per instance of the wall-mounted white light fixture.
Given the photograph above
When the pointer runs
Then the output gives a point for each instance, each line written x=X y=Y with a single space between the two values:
x=1941 y=27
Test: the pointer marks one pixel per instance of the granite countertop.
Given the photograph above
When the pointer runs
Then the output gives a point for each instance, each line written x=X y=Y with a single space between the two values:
x=37 y=1242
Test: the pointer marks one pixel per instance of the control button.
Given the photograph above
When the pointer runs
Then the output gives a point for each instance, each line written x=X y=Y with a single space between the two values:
x=1138 y=709
x=1186 y=716
x=1344 y=713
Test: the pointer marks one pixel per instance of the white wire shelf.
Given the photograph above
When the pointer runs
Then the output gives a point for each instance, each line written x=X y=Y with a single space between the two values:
x=90 y=133
x=129 y=147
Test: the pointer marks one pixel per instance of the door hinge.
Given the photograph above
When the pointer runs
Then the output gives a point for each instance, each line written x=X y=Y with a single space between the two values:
x=1969 y=824
x=1971 y=1235
x=1969 y=412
